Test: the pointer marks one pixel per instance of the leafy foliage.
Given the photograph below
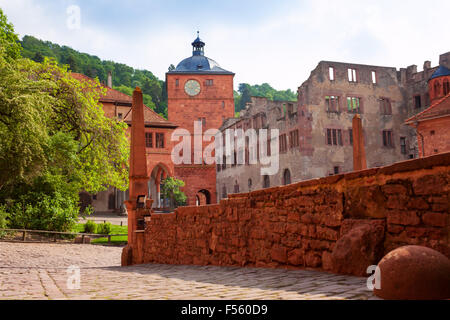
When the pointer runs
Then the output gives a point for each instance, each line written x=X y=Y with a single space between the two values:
x=104 y=228
x=90 y=227
x=171 y=190
x=8 y=38
x=54 y=141
x=246 y=91
x=125 y=78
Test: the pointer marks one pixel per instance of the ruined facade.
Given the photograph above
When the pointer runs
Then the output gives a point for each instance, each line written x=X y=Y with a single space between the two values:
x=316 y=132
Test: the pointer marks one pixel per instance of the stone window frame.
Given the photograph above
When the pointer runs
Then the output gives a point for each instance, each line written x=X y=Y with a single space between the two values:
x=388 y=138
x=446 y=86
x=149 y=139
x=374 y=80
x=287 y=178
x=331 y=73
x=352 y=77
x=417 y=101
x=283 y=143
x=403 y=145
x=294 y=140
x=337 y=103
x=333 y=137
x=385 y=109
x=266 y=182
x=160 y=140
x=360 y=100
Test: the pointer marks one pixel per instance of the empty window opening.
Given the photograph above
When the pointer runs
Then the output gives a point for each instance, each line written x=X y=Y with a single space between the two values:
x=352 y=75
x=331 y=73
x=334 y=137
x=403 y=145
x=266 y=182
x=332 y=103
x=283 y=143
x=374 y=77
x=160 y=140
x=446 y=87
x=286 y=177
x=417 y=102
x=387 y=138
x=354 y=104
x=293 y=139
x=385 y=106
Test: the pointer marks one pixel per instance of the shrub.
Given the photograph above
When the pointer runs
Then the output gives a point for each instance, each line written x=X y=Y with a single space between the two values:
x=104 y=228
x=90 y=227
x=3 y=219
x=48 y=203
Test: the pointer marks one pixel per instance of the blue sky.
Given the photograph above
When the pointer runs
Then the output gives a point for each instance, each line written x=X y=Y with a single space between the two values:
x=279 y=42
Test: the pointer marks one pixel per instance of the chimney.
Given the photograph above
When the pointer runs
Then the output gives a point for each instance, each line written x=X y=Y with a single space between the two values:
x=426 y=65
x=109 y=83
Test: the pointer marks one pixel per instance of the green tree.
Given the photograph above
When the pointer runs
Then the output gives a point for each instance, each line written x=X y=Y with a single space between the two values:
x=54 y=142
x=171 y=190
x=8 y=38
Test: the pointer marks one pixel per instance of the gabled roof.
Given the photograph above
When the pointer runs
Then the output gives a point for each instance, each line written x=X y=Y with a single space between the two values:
x=441 y=108
x=151 y=118
x=440 y=72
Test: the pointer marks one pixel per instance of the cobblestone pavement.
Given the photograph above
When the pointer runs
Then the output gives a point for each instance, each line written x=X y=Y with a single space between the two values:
x=39 y=271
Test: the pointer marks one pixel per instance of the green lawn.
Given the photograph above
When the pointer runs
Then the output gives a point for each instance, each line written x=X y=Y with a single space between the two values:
x=115 y=229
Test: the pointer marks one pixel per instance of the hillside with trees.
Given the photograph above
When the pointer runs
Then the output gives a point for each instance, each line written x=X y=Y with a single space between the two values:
x=126 y=78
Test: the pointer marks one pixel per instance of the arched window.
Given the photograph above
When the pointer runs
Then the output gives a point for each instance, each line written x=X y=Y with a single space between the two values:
x=266 y=182
x=446 y=87
x=286 y=177
x=437 y=89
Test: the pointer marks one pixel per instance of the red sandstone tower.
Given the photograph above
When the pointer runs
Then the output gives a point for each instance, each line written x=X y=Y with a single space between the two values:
x=199 y=90
x=138 y=206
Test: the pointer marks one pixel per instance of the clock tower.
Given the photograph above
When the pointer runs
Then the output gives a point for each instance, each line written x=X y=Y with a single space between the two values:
x=199 y=90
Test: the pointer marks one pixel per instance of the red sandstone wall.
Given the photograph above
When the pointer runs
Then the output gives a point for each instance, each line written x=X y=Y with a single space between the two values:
x=436 y=136
x=300 y=224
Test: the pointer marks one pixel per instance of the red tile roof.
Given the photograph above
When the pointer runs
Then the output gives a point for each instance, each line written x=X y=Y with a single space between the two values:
x=115 y=96
x=440 y=108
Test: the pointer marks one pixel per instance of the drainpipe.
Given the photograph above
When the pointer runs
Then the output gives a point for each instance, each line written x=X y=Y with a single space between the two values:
x=416 y=123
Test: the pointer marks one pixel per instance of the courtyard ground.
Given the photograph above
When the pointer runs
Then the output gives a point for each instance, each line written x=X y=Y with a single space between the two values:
x=39 y=271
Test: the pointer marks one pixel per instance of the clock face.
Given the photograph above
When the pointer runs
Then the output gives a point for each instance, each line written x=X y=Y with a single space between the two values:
x=192 y=88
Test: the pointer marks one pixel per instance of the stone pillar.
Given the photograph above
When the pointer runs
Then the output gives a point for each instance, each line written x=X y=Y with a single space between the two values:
x=138 y=181
x=359 y=153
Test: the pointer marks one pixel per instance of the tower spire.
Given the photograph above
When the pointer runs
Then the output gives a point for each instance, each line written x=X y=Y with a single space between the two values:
x=198 y=46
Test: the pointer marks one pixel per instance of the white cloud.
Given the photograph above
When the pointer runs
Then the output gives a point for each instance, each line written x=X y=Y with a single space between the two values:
x=280 y=49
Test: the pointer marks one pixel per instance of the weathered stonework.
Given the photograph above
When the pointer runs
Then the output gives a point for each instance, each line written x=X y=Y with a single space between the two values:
x=300 y=224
